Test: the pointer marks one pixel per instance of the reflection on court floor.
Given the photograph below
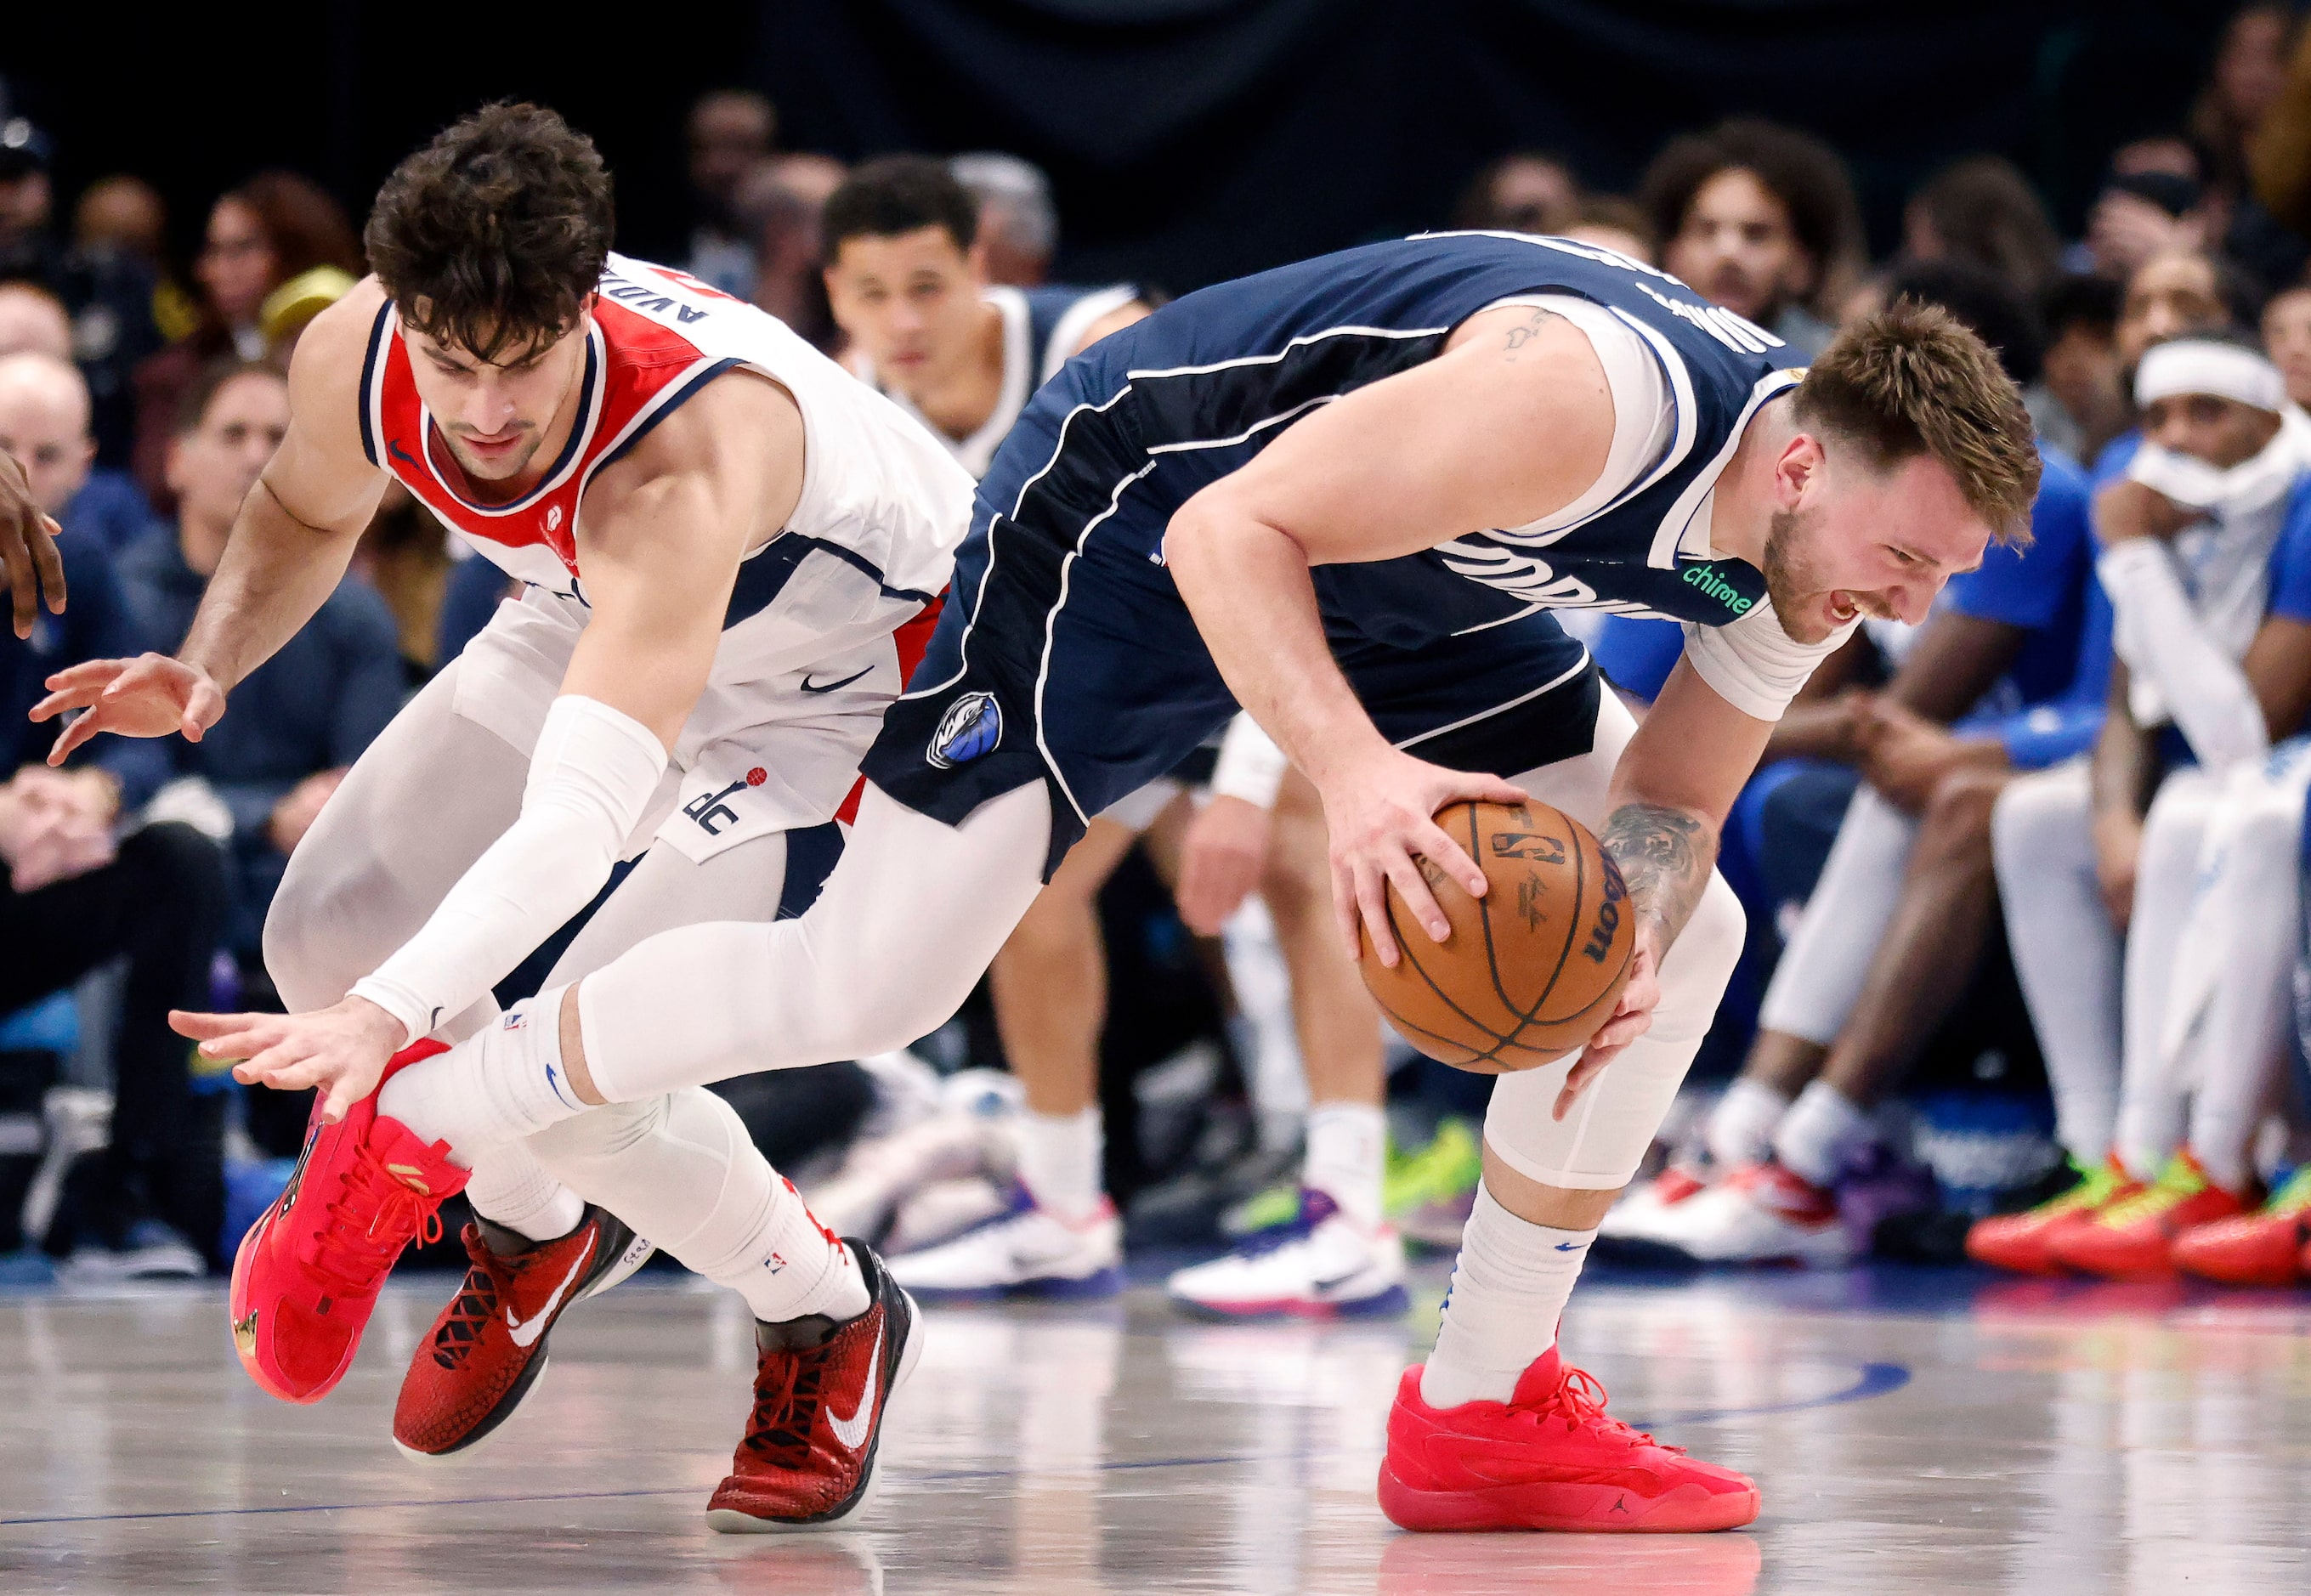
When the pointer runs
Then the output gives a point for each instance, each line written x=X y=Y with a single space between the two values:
x=1912 y=1432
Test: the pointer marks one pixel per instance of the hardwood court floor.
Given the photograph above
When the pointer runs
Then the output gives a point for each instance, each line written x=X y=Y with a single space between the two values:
x=1913 y=1431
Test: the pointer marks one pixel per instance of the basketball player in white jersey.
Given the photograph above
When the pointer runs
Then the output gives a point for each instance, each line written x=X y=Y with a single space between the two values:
x=906 y=278
x=732 y=552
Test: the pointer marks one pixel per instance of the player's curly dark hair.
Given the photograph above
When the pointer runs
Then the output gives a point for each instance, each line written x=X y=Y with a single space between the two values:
x=1913 y=380
x=492 y=236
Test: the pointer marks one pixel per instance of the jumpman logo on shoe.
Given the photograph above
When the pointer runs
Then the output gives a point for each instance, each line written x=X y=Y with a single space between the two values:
x=851 y=1431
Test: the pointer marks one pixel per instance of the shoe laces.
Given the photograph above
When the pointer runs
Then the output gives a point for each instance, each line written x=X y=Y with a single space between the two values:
x=786 y=1404
x=474 y=1307
x=373 y=1218
x=1579 y=1400
x=2178 y=1182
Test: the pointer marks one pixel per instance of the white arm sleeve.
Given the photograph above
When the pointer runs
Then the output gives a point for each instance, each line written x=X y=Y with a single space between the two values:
x=1753 y=663
x=1249 y=767
x=590 y=781
x=2203 y=688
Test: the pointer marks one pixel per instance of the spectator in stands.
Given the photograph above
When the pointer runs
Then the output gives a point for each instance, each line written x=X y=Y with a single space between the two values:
x=730 y=131
x=778 y=206
x=1762 y=219
x=2207 y=561
x=34 y=320
x=2286 y=338
x=1018 y=221
x=2152 y=202
x=1615 y=223
x=2246 y=86
x=1983 y=212
x=107 y=296
x=2007 y=674
x=1525 y=191
x=45 y=421
x=81 y=895
x=2080 y=401
x=124 y=215
x=301 y=717
x=266 y=233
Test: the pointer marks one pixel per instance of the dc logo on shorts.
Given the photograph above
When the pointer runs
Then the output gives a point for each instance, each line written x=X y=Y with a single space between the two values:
x=972 y=725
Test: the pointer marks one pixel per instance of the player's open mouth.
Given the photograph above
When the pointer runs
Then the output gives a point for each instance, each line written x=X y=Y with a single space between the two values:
x=1842 y=608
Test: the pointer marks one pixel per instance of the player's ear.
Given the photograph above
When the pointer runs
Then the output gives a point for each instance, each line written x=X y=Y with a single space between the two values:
x=1801 y=463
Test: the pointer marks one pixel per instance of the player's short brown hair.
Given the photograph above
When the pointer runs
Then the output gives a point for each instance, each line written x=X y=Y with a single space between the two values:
x=492 y=236
x=1912 y=381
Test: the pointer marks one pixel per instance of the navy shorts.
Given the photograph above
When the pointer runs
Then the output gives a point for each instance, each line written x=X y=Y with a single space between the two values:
x=1065 y=654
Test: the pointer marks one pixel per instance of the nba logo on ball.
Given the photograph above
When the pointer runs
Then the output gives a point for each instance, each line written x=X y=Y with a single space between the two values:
x=973 y=725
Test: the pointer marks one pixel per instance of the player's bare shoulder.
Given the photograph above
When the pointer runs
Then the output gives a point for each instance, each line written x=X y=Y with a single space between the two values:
x=321 y=474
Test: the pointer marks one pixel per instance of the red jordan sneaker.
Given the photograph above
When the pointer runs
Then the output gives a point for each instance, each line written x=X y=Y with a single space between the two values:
x=308 y=1272
x=1550 y=1458
x=2024 y=1243
x=2134 y=1237
x=807 y=1460
x=488 y=1348
x=2269 y=1247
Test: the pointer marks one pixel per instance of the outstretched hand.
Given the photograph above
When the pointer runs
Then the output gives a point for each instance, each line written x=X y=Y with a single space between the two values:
x=28 y=549
x=149 y=696
x=1382 y=816
x=342 y=1049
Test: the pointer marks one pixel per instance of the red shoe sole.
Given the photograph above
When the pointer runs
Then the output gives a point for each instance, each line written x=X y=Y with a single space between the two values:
x=1580 y=1509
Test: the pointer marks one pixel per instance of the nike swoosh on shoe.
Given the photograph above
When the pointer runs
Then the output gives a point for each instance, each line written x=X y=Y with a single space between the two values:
x=526 y=1332
x=852 y=1431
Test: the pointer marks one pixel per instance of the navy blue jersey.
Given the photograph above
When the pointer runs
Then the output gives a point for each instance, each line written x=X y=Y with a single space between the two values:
x=1067 y=653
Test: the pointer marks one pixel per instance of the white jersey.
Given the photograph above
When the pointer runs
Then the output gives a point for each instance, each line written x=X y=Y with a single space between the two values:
x=808 y=634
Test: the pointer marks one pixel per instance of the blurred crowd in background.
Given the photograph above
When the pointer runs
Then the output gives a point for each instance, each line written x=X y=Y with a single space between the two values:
x=1985 y=1004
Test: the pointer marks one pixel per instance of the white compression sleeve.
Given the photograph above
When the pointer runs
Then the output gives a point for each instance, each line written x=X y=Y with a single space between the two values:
x=1250 y=766
x=591 y=778
x=2204 y=687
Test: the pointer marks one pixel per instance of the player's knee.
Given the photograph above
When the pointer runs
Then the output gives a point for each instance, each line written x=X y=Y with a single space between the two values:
x=1694 y=975
x=2029 y=814
x=1956 y=826
x=577 y=1149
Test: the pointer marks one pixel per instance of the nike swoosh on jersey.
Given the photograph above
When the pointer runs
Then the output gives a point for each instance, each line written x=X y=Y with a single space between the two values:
x=393 y=447
x=525 y=1332
x=852 y=1431
x=810 y=686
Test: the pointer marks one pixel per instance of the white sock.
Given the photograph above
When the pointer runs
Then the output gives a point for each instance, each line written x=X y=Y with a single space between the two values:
x=1509 y=1289
x=1059 y=1161
x=498 y=1086
x=1823 y=1135
x=1741 y=1129
x=803 y=1268
x=1347 y=1150
x=510 y=1189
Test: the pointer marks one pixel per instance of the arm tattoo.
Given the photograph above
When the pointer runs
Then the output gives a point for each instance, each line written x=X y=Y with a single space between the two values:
x=1521 y=336
x=1665 y=856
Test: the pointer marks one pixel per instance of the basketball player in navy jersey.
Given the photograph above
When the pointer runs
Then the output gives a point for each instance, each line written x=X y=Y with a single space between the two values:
x=1345 y=495
x=730 y=546
x=905 y=277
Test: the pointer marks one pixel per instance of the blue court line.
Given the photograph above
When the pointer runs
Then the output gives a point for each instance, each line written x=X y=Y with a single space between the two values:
x=1877 y=1379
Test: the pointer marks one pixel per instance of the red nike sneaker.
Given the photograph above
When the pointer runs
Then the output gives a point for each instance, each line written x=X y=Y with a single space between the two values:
x=2134 y=1237
x=1550 y=1458
x=2025 y=1242
x=807 y=1460
x=488 y=1346
x=308 y=1272
x=2269 y=1247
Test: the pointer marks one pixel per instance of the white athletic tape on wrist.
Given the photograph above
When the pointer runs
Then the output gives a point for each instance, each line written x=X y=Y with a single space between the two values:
x=1250 y=766
x=591 y=778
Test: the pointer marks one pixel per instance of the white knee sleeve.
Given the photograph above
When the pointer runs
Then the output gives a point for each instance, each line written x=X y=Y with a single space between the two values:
x=679 y=1169
x=1598 y=1144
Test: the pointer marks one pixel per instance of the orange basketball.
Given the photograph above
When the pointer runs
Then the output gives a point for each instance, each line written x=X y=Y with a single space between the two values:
x=1533 y=967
